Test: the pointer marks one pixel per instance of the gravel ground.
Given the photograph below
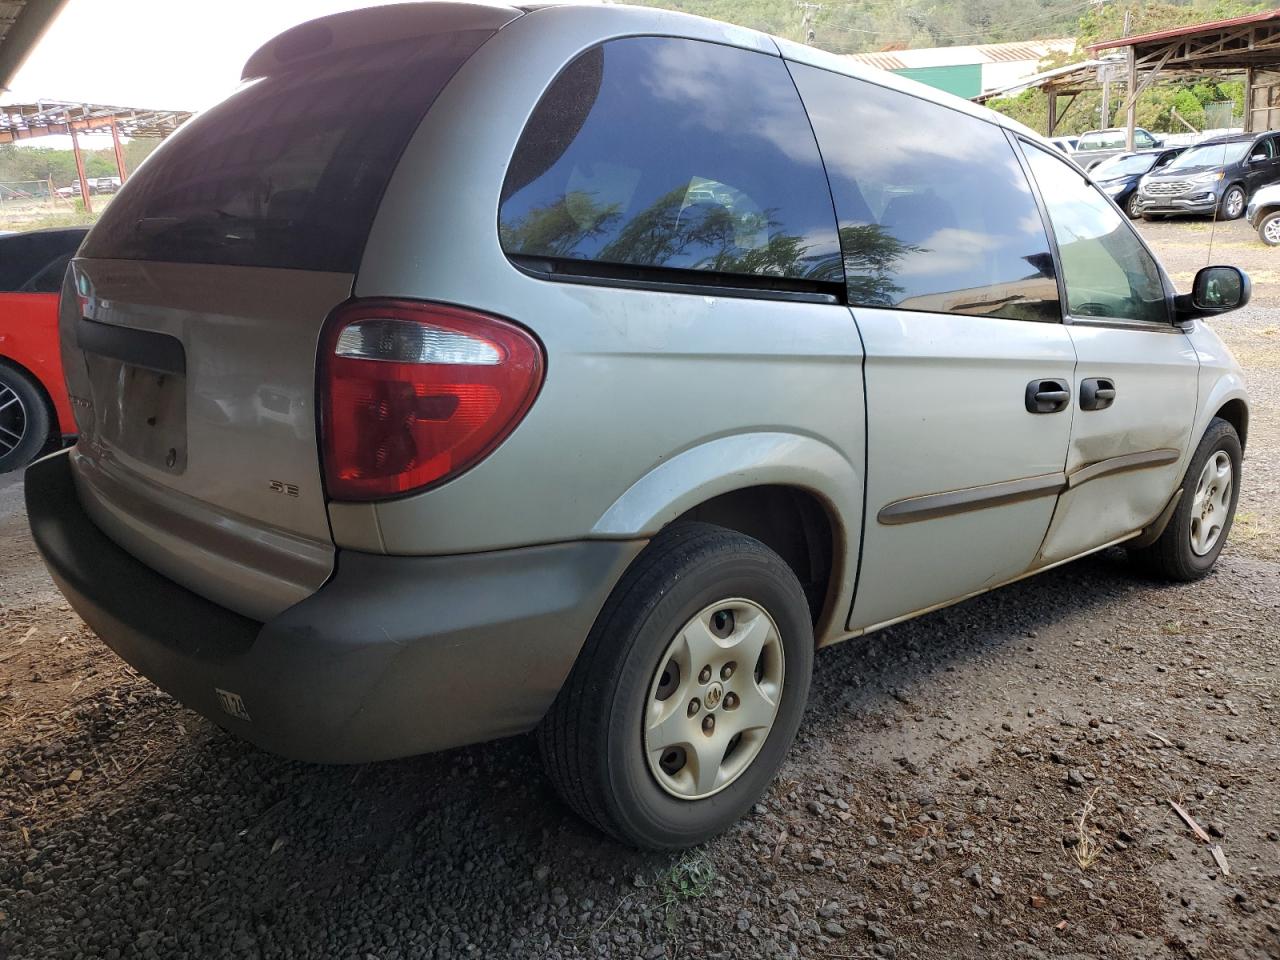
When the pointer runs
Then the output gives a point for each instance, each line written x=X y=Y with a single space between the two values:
x=933 y=805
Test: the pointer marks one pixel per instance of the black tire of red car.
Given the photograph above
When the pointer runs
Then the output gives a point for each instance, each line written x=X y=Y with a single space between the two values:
x=1269 y=229
x=25 y=420
x=591 y=740
x=1133 y=206
x=1231 y=207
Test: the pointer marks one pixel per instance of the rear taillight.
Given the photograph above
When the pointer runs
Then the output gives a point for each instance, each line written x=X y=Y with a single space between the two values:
x=415 y=393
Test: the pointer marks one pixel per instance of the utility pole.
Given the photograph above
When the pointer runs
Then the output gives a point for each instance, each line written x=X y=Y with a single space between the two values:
x=1131 y=114
x=806 y=22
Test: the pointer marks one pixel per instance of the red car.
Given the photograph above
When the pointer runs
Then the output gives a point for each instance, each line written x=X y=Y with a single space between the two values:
x=34 y=408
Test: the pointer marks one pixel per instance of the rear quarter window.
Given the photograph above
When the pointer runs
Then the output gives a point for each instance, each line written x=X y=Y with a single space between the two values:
x=675 y=155
x=288 y=171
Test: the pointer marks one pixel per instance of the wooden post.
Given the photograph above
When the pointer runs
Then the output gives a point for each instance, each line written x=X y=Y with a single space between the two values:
x=1249 y=80
x=1053 y=111
x=84 y=183
x=1131 y=114
x=115 y=142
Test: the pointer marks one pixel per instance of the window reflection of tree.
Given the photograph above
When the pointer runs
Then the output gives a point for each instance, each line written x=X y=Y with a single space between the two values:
x=667 y=233
x=871 y=257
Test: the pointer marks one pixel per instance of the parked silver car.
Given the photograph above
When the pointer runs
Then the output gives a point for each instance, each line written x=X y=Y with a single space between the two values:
x=584 y=369
x=1264 y=214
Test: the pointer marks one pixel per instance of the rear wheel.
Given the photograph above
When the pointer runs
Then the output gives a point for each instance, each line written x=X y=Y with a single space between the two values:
x=1269 y=229
x=688 y=692
x=1197 y=532
x=24 y=419
x=1232 y=204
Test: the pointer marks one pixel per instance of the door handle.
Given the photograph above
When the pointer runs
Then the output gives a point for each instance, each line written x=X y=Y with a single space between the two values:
x=1048 y=396
x=1097 y=393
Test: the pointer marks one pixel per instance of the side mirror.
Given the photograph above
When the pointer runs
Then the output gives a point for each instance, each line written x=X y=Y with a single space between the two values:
x=1258 y=157
x=1215 y=290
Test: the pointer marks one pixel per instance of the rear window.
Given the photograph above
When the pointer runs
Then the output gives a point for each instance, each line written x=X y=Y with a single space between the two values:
x=289 y=170
x=675 y=155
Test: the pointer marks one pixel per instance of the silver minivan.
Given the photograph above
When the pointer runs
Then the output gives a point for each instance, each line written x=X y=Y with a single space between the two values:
x=473 y=370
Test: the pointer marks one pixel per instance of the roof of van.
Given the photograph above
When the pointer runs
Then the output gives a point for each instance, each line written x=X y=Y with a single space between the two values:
x=355 y=28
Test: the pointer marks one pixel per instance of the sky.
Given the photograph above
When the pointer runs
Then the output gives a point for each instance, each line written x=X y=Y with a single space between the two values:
x=166 y=54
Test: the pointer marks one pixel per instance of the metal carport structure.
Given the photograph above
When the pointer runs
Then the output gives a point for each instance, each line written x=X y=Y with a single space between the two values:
x=1248 y=44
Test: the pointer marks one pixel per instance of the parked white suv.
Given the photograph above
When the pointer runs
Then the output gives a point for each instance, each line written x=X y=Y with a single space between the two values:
x=479 y=370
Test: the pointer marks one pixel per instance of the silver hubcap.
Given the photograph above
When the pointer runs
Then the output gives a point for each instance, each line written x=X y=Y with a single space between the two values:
x=1235 y=201
x=13 y=420
x=1135 y=204
x=713 y=699
x=1271 y=230
x=1211 y=503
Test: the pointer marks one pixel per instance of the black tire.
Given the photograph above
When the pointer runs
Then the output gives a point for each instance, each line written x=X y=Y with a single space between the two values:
x=1233 y=193
x=1133 y=206
x=592 y=739
x=1271 y=220
x=1171 y=556
x=25 y=422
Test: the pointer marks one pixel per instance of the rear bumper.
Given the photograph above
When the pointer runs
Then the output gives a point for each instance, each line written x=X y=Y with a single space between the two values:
x=393 y=656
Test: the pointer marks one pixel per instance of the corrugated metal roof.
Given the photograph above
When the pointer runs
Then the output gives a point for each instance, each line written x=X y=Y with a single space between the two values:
x=1186 y=31
x=1023 y=50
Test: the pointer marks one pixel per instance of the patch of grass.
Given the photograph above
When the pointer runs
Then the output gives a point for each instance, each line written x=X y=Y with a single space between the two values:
x=1173 y=628
x=689 y=878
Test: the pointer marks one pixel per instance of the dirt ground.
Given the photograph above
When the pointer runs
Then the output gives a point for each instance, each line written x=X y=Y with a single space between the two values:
x=992 y=780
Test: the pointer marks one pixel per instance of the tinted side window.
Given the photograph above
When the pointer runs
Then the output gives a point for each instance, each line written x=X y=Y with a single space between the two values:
x=1107 y=272
x=935 y=211
x=27 y=255
x=1142 y=139
x=670 y=153
x=49 y=279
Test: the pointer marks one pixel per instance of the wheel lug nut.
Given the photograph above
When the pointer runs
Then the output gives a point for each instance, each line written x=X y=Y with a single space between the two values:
x=694 y=707
x=730 y=701
x=705 y=675
x=726 y=671
x=708 y=724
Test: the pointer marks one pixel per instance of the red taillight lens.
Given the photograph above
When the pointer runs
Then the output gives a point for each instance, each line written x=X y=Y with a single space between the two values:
x=415 y=393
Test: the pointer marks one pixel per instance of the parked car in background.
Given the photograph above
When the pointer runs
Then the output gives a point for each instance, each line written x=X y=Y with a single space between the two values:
x=366 y=471
x=1066 y=144
x=1264 y=214
x=33 y=394
x=1119 y=176
x=1098 y=145
x=1214 y=177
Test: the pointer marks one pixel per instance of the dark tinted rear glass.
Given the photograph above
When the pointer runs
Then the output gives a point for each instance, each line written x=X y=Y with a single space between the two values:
x=288 y=171
x=25 y=257
x=676 y=154
x=935 y=211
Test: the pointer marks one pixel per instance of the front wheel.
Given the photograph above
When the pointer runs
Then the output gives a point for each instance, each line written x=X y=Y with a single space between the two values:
x=1197 y=532
x=1232 y=205
x=1133 y=206
x=688 y=692
x=1269 y=229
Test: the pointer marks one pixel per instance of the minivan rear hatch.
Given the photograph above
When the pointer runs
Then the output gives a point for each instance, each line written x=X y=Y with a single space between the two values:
x=191 y=317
